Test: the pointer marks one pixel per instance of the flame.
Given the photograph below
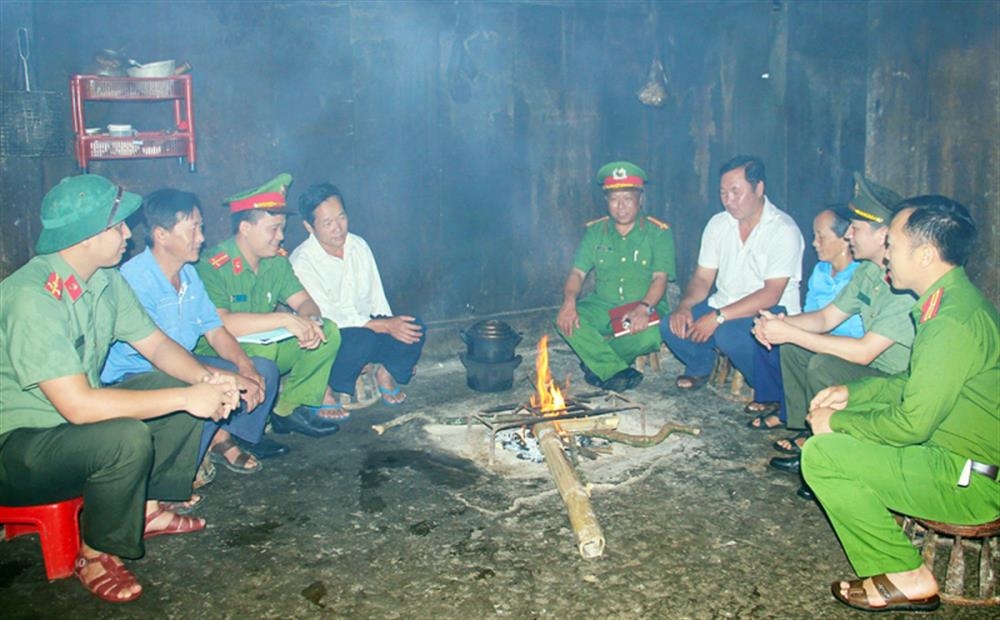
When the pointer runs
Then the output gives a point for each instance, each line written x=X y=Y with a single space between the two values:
x=548 y=396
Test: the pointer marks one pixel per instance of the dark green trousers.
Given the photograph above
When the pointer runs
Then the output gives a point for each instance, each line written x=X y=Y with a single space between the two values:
x=594 y=344
x=804 y=373
x=116 y=465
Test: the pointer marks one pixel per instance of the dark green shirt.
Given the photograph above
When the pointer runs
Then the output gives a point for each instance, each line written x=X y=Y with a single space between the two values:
x=883 y=311
x=233 y=286
x=54 y=324
x=950 y=396
x=624 y=266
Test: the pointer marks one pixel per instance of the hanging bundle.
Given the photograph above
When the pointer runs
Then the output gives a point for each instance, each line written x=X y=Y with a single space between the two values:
x=654 y=93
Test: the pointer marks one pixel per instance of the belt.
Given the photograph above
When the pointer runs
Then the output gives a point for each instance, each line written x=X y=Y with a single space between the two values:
x=983 y=469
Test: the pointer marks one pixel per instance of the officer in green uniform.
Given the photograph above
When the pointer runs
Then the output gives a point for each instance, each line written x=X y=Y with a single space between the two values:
x=632 y=256
x=246 y=277
x=811 y=357
x=926 y=442
x=61 y=434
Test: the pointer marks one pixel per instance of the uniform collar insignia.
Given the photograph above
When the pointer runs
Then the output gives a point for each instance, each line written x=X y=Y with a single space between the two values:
x=237 y=265
x=73 y=288
x=219 y=260
x=54 y=285
x=930 y=308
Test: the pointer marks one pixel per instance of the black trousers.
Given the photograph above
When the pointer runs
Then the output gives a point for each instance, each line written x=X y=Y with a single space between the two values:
x=116 y=465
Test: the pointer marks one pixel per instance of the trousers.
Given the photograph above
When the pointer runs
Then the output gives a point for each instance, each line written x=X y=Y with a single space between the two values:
x=360 y=345
x=594 y=342
x=804 y=373
x=733 y=339
x=307 y=371
x=768 y=386
x=247 y=425
x=859 y=482
x=116 y=465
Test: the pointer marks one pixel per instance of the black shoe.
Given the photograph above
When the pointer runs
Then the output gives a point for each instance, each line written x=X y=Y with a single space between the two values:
x=623 y=380
x=805 y=493
x=590 y=377
x=305 y=421
x=266 y=448
x=787 y=464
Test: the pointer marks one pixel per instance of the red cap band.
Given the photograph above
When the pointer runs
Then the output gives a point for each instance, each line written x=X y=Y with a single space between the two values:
x=613 y=183
x=266 y=200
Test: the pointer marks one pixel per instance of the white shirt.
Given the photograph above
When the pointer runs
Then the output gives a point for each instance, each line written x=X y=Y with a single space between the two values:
x=773 y=250
x=347 y=290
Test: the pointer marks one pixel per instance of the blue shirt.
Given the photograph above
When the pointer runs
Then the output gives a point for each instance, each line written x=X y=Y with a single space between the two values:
x=823 y=287
x=183 y=315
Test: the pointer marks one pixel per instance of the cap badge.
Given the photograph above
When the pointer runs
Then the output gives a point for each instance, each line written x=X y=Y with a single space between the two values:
x=619 y=174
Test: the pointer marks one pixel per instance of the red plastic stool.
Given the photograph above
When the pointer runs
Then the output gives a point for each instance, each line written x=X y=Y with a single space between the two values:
x=58 y=528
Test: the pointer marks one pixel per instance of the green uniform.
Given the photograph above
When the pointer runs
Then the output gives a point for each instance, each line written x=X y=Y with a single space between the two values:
x=623 y=269
x=233 y=286
x=902 y=441
x=56 y=325
x=882 y=311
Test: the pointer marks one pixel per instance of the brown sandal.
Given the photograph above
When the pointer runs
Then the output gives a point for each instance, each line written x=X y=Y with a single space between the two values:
x=217 y=455
x=895 y=600
x=107 y=585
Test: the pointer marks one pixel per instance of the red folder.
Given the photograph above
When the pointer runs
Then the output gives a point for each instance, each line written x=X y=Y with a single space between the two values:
x=619 y=324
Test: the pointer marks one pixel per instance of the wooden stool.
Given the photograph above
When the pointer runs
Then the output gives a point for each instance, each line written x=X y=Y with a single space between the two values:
x=365 y=389
x=652 y=359
x=721 y=372
x=984 y=542
x=58 y=529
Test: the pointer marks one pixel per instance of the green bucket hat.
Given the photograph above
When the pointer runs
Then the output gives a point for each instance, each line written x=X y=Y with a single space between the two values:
x=621 y=175
x=871 y=202
x=80 y=207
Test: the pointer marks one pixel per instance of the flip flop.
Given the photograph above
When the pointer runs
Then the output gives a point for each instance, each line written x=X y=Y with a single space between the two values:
x=107 y=585
x=695 y=382
x=795 y=449
x=761 y=425
x=895 y=600
x=756 y=407
x=183 y=508
x=335 y=411
x=217 y=454
x=393 y=392
x=179 y=524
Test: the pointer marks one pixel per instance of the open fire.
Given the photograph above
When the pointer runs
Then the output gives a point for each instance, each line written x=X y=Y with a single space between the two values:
x=548 y=397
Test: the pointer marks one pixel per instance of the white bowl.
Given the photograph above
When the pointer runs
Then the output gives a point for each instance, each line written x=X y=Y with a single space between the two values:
x=120 y=130
x=160 y=68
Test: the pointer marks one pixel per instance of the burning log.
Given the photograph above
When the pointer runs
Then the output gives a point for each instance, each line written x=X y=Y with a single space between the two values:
x=582 y=519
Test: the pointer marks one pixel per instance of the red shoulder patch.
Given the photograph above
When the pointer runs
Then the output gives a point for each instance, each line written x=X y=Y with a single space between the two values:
x=218 y=260
x=658 y=223
x=54 y=285
x=931 y=306
x=237 y=265
x=73 y=288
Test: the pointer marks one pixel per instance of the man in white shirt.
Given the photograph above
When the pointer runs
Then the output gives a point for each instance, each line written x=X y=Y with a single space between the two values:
x=339 y=272
x=752 y=254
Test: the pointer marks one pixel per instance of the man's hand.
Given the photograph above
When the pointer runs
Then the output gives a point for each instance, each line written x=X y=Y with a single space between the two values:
x=638 y=319
x=567 y=320
x=251 y=385
x=819 y=420
x=309 y=333
x=681 y=321
x=833 y=397
x=703 y=328
x=211 y=400
x=772 y=329
x=403 y=328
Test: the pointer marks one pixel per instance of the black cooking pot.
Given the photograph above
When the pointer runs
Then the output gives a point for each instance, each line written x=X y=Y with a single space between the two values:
x=490 y=341
x=489 y=376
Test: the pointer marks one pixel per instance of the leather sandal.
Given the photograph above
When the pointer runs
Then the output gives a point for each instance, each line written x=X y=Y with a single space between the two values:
x=693 y=383
x=108 y=584
x=895 y=600
x=185 y=507
x=217 y=454
x=756 y=407
x=793 y=441
x=761 y=422
x=179 y=524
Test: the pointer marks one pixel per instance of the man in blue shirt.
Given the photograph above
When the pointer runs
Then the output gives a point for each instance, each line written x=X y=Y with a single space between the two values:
x=169 y=288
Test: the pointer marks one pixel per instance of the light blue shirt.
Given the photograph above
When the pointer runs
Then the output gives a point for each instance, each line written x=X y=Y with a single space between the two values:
x=183 y=315
x=823 y=287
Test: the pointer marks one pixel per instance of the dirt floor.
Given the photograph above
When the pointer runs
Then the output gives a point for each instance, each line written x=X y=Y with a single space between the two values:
x=414 y=524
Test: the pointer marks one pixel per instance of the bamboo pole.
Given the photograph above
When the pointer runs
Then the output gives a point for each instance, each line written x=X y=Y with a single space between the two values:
x=582 y=519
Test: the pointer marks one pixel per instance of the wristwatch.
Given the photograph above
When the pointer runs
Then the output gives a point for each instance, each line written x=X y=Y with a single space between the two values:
x=719 y=317
x=649 y=308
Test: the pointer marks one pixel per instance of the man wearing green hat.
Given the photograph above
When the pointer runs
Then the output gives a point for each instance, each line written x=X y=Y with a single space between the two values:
x=811 y=357
x=246 y=277
x=61 y=434
x=632 y=257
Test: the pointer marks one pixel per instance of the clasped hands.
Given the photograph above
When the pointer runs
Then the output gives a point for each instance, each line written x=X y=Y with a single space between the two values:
x=215 y=396
x=827 y=402
x=683 y=325
x=308 y=331
x=770 y=329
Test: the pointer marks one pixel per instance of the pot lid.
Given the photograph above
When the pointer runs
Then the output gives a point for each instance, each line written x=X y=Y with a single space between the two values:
x=492 y=330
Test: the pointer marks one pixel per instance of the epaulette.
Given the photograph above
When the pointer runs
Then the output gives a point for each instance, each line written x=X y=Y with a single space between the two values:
x=282 y=252
x=598 y=220
x=54 y=285
x=219 y=260
x=931 y=306
x=658 y=223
